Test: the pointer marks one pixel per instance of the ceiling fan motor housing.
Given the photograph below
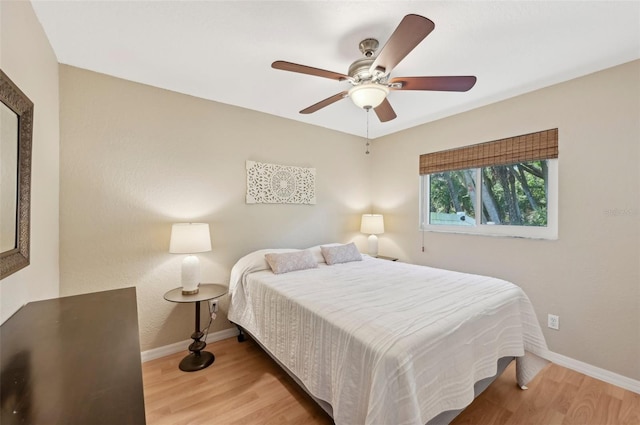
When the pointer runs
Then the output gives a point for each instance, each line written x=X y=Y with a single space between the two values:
x=360 y=69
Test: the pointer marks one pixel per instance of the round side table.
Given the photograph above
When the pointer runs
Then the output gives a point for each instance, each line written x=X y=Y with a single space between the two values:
x=197 y=359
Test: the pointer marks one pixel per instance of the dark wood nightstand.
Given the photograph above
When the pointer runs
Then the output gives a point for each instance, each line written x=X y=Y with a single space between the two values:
x=197 y=359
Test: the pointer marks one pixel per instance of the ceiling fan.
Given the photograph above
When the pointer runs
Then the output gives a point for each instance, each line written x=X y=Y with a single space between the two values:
x=370 y=76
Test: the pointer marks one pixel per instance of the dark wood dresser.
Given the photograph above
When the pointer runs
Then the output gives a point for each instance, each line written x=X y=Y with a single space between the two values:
x=73 y=360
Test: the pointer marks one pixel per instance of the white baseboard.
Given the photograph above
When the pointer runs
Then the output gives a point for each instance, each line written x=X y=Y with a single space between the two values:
x=594 y=372
x=156 y=353
x=573 y=364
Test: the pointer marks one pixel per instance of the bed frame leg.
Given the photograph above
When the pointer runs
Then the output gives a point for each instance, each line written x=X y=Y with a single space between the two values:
x=241 y=335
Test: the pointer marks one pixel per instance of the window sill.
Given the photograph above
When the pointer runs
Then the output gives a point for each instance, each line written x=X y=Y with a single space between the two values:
x=521 y=232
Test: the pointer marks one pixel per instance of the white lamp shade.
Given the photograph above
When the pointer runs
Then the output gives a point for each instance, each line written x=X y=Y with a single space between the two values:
x=189 y=238
x=368 y=95
x=372 y=224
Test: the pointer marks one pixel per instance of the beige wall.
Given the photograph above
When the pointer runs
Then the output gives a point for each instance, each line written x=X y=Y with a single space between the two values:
x=27 y=58
x=135 y=159
x=590 y=276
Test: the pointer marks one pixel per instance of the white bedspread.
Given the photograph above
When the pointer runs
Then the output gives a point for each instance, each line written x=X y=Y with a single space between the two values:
x=386 y=343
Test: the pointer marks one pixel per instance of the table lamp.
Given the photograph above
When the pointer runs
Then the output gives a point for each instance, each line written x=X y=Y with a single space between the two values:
x=190 y=238
x=372 y=224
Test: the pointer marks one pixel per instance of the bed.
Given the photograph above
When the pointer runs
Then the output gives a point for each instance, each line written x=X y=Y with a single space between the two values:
x=381 y=342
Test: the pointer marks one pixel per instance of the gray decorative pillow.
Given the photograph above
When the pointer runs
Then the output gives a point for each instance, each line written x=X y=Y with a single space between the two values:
x=291 y=261
x=341 y=253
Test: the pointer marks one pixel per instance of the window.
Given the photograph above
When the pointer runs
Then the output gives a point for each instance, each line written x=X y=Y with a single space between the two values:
x=509 y=188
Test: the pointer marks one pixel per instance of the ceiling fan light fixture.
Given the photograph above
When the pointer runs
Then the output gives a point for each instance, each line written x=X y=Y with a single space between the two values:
x=369 y=95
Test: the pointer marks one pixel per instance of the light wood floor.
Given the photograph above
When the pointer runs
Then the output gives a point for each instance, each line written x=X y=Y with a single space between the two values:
x=244 y=386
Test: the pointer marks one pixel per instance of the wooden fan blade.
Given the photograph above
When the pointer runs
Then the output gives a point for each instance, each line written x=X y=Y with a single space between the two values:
x=385 y=112
x=303 y=69
x=328 y=101
x=461 y=83
x=410 y=32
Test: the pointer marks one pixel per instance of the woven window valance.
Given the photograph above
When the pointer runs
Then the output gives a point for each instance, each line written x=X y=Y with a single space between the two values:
x=528 y=147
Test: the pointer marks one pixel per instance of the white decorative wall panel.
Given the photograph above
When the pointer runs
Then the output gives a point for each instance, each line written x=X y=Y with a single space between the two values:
x=280 y=184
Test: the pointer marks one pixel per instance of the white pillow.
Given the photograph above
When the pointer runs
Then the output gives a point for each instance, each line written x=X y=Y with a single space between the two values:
x=317 y=251
x=291 y=261
x=341 y=253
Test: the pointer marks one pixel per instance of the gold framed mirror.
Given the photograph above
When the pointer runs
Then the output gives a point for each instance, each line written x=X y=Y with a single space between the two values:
x=16 y=133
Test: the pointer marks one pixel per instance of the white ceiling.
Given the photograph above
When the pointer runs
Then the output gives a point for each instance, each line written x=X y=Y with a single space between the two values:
x=223 y=50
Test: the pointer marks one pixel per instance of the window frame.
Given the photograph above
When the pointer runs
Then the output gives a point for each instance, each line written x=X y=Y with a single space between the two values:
x=550 y=231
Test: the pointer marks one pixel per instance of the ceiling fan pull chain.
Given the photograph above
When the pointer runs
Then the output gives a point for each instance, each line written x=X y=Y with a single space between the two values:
x=367 y=145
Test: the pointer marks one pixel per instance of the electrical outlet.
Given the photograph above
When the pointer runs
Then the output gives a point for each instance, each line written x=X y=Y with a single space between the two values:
x=213 y=306
x=553 y=321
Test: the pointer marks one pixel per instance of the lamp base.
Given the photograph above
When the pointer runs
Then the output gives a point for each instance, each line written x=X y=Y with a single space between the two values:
x=373 y=245
x=190 y=275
